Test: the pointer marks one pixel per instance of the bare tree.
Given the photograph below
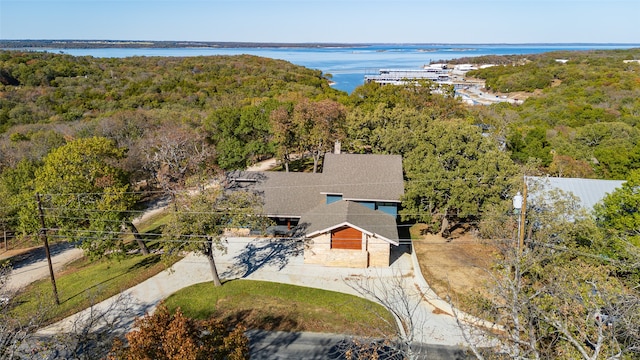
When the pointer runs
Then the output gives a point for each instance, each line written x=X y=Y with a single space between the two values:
x=557 y=295
x=88 y=335
x=176 y=154
x=392 y=293
x=14 y=332
x=91 y=334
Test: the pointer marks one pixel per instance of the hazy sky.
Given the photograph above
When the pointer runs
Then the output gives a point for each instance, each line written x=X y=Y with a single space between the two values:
x=399 y=21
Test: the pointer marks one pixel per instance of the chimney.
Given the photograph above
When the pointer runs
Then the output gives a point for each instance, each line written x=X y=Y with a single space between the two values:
x=336 y=147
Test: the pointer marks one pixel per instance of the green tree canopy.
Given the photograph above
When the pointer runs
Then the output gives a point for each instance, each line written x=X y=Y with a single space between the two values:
x=454 y=173
x=242 y=134
x=16 y=196
x=87 y=194
x=200 y=220
x=533 y=145
x=619 y=211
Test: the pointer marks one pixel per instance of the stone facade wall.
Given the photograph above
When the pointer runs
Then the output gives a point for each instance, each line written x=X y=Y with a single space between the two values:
x=379 y=252
x=375 y=252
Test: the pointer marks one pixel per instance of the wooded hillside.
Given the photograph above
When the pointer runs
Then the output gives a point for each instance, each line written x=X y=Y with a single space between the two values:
x=181 y=117
x=583 y=118
x=96 y=135
x=45 y=98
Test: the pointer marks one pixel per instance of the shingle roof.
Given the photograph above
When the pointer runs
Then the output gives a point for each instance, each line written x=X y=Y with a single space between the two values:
x=363 y=176
x=285 y=194
x=327 y=217
x=355 y=176
x=588 y=191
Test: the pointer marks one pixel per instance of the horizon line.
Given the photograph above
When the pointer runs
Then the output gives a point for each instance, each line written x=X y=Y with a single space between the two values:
x=315 y=43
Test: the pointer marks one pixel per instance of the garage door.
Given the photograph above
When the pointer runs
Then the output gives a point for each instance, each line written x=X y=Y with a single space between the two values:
x=346 y=238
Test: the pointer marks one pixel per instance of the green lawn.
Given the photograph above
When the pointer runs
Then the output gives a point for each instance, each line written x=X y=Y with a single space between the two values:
x=275 y=306
x=84 y=283
x=149 y=231
x=256 y=304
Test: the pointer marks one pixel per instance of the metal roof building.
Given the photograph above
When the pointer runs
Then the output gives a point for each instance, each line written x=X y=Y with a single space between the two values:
x=588 y=191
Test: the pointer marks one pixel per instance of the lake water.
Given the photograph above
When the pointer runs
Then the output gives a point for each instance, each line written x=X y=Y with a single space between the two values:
x=348 y=65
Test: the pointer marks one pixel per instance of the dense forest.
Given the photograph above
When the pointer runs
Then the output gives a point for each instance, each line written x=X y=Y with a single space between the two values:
x=177 y=118
x=580 y=118
x=95 y=135
x=47 y=96
x=583 y=117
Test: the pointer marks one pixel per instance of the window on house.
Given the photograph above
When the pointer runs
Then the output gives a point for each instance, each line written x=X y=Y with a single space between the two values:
x=331 y=198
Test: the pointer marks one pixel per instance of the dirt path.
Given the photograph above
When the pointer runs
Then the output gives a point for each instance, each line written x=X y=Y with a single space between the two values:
x=269 y=164
x=264 y=165
x=154 y=208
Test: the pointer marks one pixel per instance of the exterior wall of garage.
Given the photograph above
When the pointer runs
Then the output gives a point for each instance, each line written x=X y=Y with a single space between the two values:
x=374 y=252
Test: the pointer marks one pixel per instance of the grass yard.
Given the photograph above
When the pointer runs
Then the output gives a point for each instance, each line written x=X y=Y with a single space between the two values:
x=282 y=307
x=149 y=230
x=84 y=283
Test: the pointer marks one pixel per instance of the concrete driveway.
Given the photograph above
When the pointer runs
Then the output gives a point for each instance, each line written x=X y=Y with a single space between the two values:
x=281 y=261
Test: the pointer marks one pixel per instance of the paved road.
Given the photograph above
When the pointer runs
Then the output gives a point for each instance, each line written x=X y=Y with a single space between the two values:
x=479 y=96
x=279 y=261
x=273 y=345
x=33 y=265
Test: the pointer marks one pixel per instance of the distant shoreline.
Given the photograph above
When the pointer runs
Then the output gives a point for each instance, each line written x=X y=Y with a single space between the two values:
x=105 y=44
x=100 y=44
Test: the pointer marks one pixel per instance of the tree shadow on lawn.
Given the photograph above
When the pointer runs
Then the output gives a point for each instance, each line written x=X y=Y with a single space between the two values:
x=146 y=263
x=264 y=252
x=257 y=319
x=91 y=288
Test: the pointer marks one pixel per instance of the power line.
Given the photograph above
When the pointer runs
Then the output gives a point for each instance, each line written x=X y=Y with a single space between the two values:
x=191 y=191
x=226 y=212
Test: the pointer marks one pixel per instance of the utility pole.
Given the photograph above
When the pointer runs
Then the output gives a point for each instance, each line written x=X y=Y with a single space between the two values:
x=523 y=214
x=43 y=235
x=520 y=209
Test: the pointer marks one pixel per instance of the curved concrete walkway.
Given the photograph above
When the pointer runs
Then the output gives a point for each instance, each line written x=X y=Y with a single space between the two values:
x=280 y=261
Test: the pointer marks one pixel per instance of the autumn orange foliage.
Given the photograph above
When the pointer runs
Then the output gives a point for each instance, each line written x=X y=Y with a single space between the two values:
x=166 y=336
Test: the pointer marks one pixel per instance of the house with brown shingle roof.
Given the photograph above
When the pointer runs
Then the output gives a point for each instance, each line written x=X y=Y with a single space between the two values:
x=346 y=214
